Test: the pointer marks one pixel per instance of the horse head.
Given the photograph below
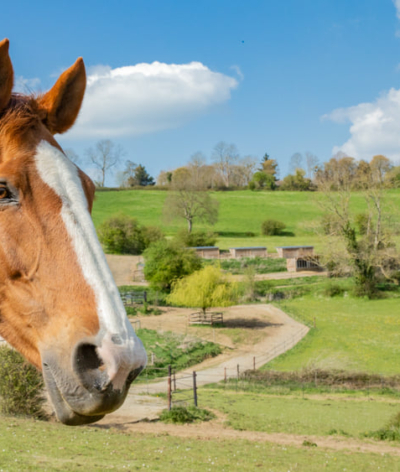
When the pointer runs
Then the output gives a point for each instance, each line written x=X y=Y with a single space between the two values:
x=59 y=305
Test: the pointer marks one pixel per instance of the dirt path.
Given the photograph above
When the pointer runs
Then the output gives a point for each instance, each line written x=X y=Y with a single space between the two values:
x=281 y=333
x=215 y=430
x=284 y=333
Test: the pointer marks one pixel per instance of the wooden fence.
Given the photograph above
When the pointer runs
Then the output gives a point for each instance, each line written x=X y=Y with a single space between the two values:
x=206 y=318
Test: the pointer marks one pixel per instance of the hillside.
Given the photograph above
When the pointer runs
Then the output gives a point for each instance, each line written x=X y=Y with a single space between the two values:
x=240 y=212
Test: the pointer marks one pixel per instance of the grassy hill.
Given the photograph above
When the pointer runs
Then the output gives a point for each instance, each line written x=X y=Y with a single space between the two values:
x=240 y=212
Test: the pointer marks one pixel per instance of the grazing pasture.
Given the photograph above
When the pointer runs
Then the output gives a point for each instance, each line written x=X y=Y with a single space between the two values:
x=240 y=212
x=351 y=333
x=30 y=445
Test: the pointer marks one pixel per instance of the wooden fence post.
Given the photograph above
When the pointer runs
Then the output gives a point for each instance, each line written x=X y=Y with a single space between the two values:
x=225 y=374
x=238 y=371
x=145 y=296
x=169 y=388
x=194 y=389
x=254 y=363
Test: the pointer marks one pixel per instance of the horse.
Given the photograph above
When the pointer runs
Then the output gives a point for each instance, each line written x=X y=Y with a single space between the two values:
x=59 y=305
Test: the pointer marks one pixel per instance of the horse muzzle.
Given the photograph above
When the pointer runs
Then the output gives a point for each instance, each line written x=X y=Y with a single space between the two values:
x=95 y=381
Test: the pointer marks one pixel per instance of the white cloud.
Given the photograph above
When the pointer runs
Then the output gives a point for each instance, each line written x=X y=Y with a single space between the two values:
x=375 y=127
x=397 y=5
x=26 y=86
x=146 y=98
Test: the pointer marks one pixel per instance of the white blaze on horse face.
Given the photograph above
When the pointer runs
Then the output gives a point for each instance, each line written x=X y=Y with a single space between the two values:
x=120 y=348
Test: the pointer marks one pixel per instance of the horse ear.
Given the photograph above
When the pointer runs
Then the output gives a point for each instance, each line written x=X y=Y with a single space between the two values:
x=62 y=103
x=6 y=74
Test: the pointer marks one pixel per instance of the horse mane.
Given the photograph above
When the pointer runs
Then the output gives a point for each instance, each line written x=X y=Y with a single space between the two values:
x=21 y=114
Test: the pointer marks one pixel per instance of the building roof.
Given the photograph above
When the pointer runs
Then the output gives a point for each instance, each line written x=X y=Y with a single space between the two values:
x=204 y=247
x=294 y=247
x=254 y=247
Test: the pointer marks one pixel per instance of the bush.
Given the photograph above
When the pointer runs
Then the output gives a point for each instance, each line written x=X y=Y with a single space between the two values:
x=21 y=386
x=123 y=235
x=272 y=227
x=361 y=220
x=182 y=415
x=196 y=238
x=333 y=289
x=167 y=261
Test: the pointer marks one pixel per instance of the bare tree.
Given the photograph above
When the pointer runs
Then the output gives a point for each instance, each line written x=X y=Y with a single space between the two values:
x=105 y=155
x=189 y=202
x=296 y=162
x=225 y=157
x=366 y=253
x=248 y=165
x=311 y=164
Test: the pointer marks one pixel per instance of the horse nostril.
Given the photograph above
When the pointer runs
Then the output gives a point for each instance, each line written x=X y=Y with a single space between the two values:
x=132 y=376
x=90 y=368
x=87 y=357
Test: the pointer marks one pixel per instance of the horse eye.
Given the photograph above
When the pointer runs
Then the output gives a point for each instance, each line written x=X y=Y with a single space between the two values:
x=4 y=193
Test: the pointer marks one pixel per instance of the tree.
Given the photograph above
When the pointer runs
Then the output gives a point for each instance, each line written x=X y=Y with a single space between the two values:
x=225 y=157
x=128 y=172
x=105 y=155
x=140 y=178
x=167 y=261
x=122 y=234
x=206 y=288
x=371 y=252
x=189 y=202
x=262 y=180
x=269 y=166
x=296 y=181
x=311 y=164
x=191 y=205
x=296 y=162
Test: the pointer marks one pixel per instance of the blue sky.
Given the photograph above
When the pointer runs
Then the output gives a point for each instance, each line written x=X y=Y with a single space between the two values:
x=270 y=76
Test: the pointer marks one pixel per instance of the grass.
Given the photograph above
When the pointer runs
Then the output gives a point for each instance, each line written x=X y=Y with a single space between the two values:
x=30 y=446
x=260 y=265
x=183 y=415
x=241 y=212
x=172 y=349
x=314 y=415
x=352 y=334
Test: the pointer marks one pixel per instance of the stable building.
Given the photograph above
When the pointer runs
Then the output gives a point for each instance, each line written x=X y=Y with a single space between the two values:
x=239 y=252
x=295 y=252
x=299 y=258
x=207 y=252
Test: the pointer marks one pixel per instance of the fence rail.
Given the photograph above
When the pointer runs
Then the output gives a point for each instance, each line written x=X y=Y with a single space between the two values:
x=205 y=318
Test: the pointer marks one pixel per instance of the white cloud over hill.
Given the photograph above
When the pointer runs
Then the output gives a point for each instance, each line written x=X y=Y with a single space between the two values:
x=146 y=98
x=374 y=129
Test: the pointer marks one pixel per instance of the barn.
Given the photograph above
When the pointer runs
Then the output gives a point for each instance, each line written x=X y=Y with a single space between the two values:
x=239 y=252
x=207 y=252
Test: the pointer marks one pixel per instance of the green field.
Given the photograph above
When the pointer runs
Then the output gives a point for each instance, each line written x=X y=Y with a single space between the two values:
x=312 y=414
x=240 y=212
x=27 y=445
x=351 y=333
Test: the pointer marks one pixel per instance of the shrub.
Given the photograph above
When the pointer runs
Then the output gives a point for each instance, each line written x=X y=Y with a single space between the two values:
x=182 y=415
x=361 y=220
x=21 y=386
x=272 y=227
x=122 y=235
x=152 y=234
x=196 y=238
x=167 y=261
x=333 y=289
